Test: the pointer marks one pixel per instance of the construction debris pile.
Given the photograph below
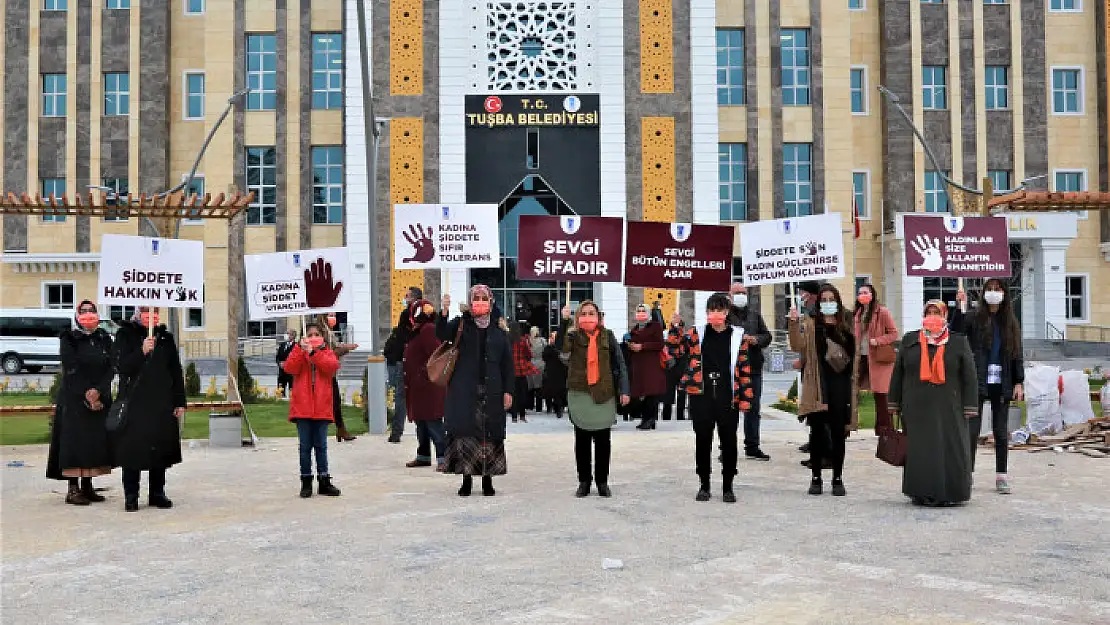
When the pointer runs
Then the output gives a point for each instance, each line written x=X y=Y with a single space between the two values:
x=1091 y=439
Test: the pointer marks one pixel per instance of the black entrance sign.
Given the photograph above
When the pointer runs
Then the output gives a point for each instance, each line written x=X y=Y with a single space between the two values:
x=547 y=111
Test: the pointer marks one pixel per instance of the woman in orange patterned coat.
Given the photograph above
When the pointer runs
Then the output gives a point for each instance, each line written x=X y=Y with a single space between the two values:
x=719 y=385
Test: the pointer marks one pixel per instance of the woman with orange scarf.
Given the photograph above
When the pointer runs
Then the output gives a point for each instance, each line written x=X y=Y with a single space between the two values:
x=935 y=389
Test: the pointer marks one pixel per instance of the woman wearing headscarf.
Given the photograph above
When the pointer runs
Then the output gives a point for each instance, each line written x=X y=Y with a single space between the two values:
x=827 y=347
x=649 y=380
x=554 y=377
x=479 y=393
x=149 y=367
x=595 y=378
x=79 y=449
x=340 y=350
x=875 y=332
x=994 y=334
x=425 y=400
x=933 y=386
x=535 y=381
x=524 y=369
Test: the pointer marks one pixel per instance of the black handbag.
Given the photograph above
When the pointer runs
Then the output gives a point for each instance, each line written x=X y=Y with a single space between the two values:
x=117 y=414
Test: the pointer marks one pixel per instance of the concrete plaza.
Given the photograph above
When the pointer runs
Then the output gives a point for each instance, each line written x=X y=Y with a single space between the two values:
x=401 y=547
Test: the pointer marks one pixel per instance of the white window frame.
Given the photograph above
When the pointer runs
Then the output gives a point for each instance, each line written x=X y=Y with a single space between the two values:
x=932 y=1
x=1085 y=297
x=934 y=88
x=52 y=5
x=195 y=221
x=1078 y=7
x=862 y=5
x=203 y=7
x=329 y=186
x=108 y=5
x=49 y=283
x=203 y=316
x=1009 y=176
x=1004 y=89
x=261 y=92
x=1081 y=96
x=122 y=97
x=260 y=188
x=1086 y=184
x=328 y=73
x=728 y=68
x=52 y=218
x=798 y=183
x=797 y=70
x=730 y=182
x=119 y=198
x=939 y=193
x=185 y=94
x=996 y=2
x=55 y=95
x=865 y=210
x=864 y=90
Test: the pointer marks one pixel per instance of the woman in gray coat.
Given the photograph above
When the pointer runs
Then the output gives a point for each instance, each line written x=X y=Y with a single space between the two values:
x=934 y=388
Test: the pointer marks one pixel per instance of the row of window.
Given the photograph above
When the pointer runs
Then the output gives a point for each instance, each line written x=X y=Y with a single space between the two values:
x=327 y=187
x=1054 y=5
x=1067 y=82
x=327 y=81
x=192 y=7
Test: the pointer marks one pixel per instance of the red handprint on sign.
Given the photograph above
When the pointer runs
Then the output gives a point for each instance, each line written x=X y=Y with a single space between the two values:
x=420 y=238
x=320 y=291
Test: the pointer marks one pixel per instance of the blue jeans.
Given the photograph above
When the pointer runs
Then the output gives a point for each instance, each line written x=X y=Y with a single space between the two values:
x=430 y=432
x=396 y=380
x=313 y=434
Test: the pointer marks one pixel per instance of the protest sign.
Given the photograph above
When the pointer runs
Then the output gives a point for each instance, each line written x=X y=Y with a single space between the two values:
x=144 y=271
x=572 y=248
x=956 y=247
x=304 y=282
x=792 y=249
x=440 y=236
x=678 y=256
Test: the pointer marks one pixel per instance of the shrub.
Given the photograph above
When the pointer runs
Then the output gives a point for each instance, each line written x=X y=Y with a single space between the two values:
x=248 y=391
x=792 y=394
x=192 y=380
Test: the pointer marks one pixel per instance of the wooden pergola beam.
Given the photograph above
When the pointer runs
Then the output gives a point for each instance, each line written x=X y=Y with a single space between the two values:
x=1046 y=201
x=174 y=206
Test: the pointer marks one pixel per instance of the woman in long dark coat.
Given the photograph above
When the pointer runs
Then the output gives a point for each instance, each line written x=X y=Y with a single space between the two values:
x=150 y=377
x=480 y=392
x=649 y=380
x=79 y=449
x=425 y=399
x=554 y=379
x=933 y=386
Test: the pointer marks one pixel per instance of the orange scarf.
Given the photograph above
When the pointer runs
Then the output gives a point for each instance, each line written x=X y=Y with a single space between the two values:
x=593 y=364
x=933 y=372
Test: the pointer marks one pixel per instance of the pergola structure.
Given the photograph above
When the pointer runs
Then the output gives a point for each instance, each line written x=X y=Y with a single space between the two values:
x=1045 y=201
x=163 y=212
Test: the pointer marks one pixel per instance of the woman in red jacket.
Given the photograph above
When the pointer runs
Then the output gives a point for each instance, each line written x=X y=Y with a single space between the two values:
x=425 y=400
x=312 y=366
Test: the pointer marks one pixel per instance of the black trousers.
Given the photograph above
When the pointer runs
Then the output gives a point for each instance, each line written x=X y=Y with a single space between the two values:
x=673 y=393
x=131 y=479
x=1000 y=418
x=708 y=415
x=826 y=442
x=522 y=399
x=602 y=443
x=647 y=408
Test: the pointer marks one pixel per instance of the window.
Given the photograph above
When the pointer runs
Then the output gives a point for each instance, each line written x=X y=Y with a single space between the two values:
x=196 y=185
x=54 y=5
x=997 y=87
x=936 y=197
x=934 y=86
x=862 y=279
x=121 y=313
x=117 y=88
x=943 y=289
x=194 y=7
x=1067 y=91
x=118 y=4
x=994 y=1
x=1000 y=180
x=861 y=193
x=327 y=71
x=194 y=317
x=932 y=1
x=1070 y=180
x=194 y=95
x=53 y=95
x=262 y=179
x=797 y=179
x=118 y=188
x=57 y=186
x=57 y=295
x=532 y=149
x=1075 y=297
x=327 y=185
x=261 y=72
x=262 y=328
x=856 y=5
x=730 y=66
x=859 y=90
x=1065 y=5
x=733 y=180
x=795 y=66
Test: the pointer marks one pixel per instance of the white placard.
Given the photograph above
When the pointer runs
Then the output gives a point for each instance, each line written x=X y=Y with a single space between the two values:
x=443 y=236
x=144 y=271
x=303 y=282
x=792 y=249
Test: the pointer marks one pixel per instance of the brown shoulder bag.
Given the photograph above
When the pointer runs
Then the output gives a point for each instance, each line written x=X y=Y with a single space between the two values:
x=441 y=365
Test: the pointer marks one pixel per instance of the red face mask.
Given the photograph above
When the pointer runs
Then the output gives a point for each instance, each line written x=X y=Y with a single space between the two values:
x=149 y=319
x=332 y=321
x=589 y=325
x=933 y=324
x=480 y=308
x=716 y=317
x=641 y=317
x=864 y=298
x=315 y=341
x=88 y=320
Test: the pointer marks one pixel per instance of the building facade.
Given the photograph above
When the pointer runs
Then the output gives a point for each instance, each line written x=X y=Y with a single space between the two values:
x=696 y=111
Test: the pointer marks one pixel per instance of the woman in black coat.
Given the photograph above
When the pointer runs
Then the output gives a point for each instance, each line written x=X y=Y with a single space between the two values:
x=151 y=380
x=554 y=379
x=480 y=392
x=79 y=447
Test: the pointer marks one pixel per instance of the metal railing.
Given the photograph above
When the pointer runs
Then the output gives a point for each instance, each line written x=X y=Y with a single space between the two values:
x=251 y=346
x=1052 y=333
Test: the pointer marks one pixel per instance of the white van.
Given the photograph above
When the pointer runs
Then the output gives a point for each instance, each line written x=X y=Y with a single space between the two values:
x=29 y=338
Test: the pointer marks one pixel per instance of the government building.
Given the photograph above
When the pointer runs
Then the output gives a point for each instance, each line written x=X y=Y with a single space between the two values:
x=691 y=111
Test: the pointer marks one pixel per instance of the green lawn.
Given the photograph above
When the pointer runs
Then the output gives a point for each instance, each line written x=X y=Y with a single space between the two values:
x=269 y=419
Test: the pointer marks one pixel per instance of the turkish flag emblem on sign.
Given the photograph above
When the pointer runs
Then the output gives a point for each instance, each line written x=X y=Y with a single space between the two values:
x=492 y=104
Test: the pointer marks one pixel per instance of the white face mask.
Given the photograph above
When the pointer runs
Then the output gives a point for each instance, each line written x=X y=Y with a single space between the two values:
x=994 y=298
x=740 y=299
x=828 y=308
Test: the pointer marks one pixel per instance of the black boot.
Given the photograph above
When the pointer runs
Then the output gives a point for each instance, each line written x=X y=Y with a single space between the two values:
x=326 y=487
x=815 y=486
x=74 y=496
x=583 y=489
x=728 y=495
x=131 y=503
x=306 y=486
x=487 y=486
x=838 y=487
x=159 y=500
x=603 y=490
x=467 y=484
x=703 y=492
x=89 y=492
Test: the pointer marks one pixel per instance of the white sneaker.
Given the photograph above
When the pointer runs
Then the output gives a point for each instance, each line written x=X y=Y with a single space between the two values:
x=1002 y=485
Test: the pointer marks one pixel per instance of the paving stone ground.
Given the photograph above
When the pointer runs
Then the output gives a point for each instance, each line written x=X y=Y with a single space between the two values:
x=401 y=547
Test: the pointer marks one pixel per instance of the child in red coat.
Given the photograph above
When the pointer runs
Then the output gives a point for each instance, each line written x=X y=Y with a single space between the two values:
x=313 y=366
